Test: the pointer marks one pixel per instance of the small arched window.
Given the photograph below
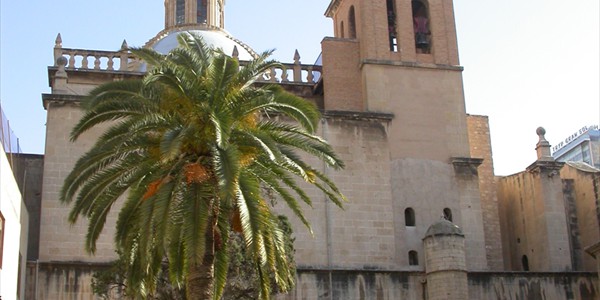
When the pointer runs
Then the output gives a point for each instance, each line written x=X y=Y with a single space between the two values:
x=448 y=214
x=202 y=11
x=352 y=23
x=420 y=14
x=409 y=217
x=525 y=263
x=413 y=258
x=180 y=12
x=342 y=29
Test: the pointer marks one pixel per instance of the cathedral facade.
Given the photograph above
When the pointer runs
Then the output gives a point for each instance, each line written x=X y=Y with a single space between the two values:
x=426 y=217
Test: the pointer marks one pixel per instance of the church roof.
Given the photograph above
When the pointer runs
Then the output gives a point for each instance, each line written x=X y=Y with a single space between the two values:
x=443 y=227
x=166 y=40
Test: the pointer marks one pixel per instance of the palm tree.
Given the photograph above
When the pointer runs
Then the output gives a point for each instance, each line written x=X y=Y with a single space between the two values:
x=194 y=145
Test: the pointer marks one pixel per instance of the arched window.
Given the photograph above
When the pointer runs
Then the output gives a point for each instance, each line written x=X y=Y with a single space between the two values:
x=409 y=217
x=342 y=29
x=448 y=214
x=413 y=258
x=392 y=32
x=180 y=12
x=202 y=11
x=352 y=23
x=420 y=14
x=525 y=263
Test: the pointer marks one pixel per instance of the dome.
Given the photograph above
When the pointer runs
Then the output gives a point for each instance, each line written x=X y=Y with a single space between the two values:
x=166 y=41
x=443 y=227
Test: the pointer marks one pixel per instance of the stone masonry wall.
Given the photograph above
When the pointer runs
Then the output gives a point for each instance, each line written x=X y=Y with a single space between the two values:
x=343 y=90
x=529 y=285
x=72 y=281
x=585 y=199
x=362 y=234
x=59 y=240
x=532 y=215
x=29 y=171
x=480 y=145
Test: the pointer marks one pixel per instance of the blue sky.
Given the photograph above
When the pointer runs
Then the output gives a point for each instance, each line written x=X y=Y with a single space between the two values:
x=527 y=63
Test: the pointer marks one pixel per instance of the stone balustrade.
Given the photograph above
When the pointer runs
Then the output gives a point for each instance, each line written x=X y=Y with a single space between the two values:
x=123 y=60
x=82 y=59
x=293 y=73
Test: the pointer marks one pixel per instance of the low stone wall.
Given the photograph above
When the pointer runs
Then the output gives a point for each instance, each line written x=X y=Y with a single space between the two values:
x=57 y=281
x=60 y=280
x=381 y=285
x=357 y=284
x=533 y=285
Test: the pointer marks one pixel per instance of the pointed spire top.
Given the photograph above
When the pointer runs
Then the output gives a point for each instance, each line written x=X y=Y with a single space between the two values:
x=58 y=41
x=296 y=57
x=124 y=46
x=236 y=53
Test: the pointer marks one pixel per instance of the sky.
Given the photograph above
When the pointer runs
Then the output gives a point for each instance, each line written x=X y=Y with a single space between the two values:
x=526 y=63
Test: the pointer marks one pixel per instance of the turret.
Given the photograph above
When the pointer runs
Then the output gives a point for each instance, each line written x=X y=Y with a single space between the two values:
x=445 y=262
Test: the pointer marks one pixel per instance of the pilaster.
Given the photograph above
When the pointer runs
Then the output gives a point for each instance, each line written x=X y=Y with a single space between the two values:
x=467 y=182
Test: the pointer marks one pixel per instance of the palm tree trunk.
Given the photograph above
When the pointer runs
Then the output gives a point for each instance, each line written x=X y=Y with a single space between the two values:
x=200 y=282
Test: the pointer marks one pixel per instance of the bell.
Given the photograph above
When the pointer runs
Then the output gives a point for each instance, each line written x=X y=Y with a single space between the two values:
x=422 y=41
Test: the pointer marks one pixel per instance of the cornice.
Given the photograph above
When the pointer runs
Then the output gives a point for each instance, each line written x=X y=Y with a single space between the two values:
x=358 y=115
x=332 y=8
x=61 y=99
x=411 y=64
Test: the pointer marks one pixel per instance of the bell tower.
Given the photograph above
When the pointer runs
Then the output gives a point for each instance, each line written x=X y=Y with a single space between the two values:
x=194 y=12
x=401 y=57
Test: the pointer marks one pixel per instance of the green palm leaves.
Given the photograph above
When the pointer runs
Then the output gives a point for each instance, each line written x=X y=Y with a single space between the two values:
x=194 y=145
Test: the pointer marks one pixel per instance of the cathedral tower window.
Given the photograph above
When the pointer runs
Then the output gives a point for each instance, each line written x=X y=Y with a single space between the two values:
x=202 y=12
x=448 y=214
x=420 y=16
x=392 y=31
x=180 y=12
x=342 y=29
x=413 y=258
x=409 y=217
x=352 y=23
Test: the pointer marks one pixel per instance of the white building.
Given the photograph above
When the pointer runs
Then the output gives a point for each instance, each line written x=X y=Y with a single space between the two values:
x=14 y=220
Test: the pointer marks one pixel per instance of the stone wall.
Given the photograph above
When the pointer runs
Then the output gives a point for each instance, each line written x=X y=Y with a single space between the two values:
x=361 y=285
x=526 y=286
x=29 y=170
x=533 y=220
x=60 y=281
x=362 y=234
x=480 y=145
x=343 y=90
x=356 y=285
x=584 y=198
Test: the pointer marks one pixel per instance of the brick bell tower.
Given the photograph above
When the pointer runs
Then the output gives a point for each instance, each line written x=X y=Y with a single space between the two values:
x=194 y=12
x=401 y=57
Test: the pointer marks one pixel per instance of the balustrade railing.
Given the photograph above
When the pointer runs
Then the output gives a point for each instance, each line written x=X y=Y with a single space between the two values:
x=293 y=73
x=99 y=60
x=123 y=60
